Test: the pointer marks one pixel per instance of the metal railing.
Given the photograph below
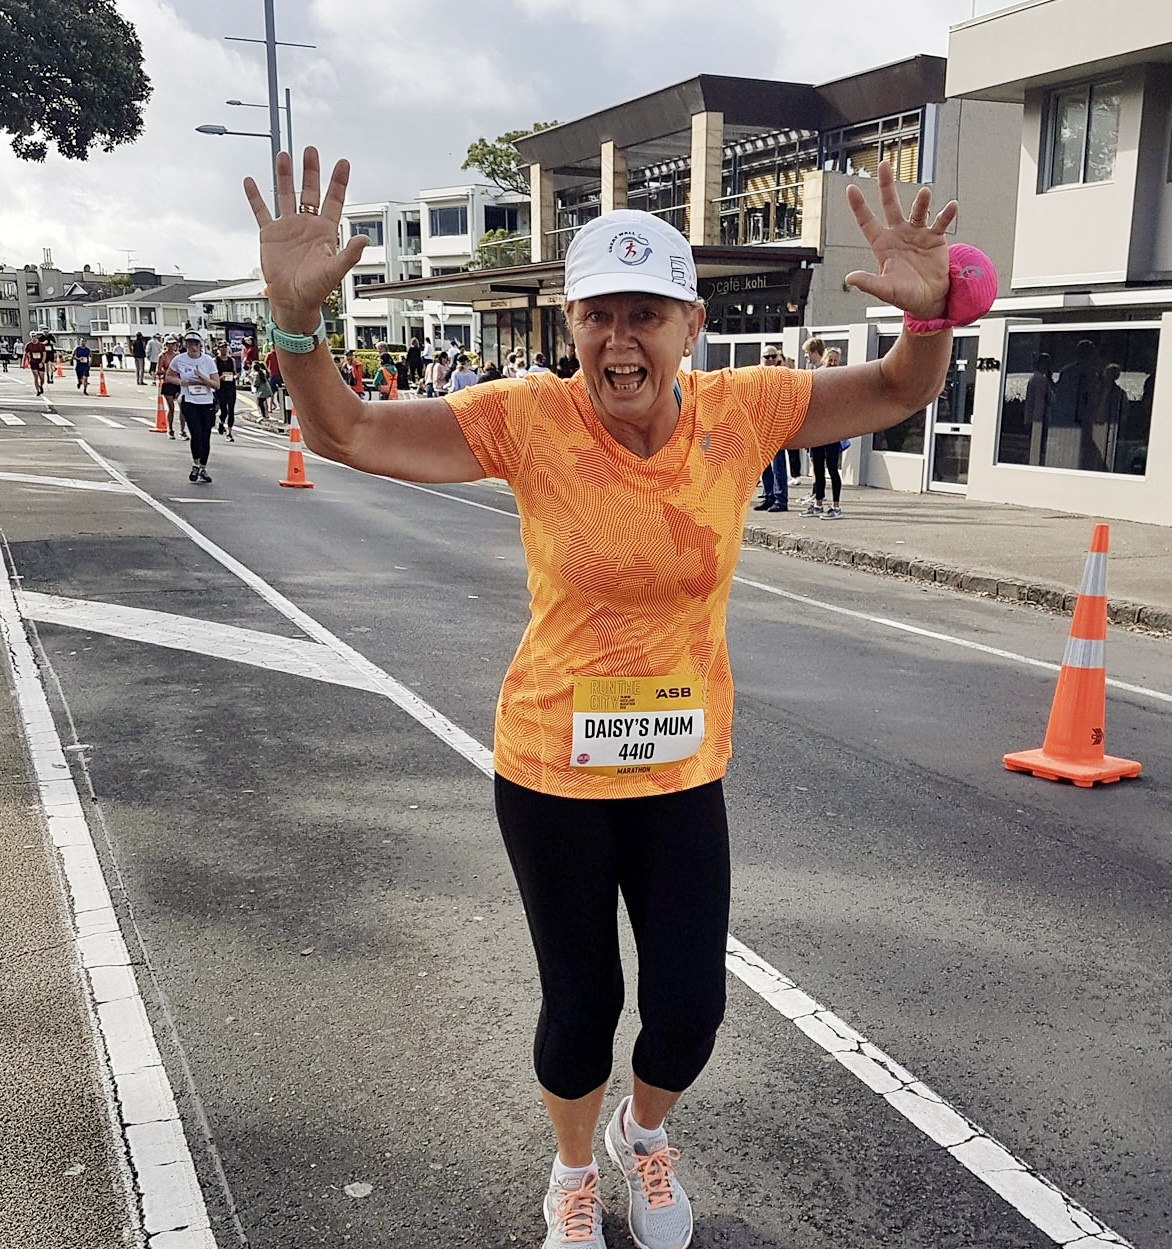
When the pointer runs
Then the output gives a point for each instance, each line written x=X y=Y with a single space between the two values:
x=774 y=216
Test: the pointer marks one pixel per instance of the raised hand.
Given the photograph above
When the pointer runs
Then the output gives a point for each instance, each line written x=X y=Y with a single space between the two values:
x=911 y=255
x=299 y=254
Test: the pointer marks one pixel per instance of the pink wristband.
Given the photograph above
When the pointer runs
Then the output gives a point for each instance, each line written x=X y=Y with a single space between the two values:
x=972 y=287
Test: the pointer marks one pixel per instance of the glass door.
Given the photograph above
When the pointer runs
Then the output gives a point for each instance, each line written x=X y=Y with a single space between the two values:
x=952 y=420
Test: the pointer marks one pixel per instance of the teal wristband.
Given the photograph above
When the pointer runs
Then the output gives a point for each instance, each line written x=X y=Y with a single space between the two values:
x=298 y=344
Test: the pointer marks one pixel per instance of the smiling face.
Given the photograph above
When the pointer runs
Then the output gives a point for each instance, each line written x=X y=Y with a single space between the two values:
x=630 y=347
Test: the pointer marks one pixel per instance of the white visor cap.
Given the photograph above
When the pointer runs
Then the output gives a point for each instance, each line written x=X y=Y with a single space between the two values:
x=630 y=251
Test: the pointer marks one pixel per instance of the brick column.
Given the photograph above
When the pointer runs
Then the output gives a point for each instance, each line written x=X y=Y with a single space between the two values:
x=707 y=159
x=542 y=216
x=614 y=177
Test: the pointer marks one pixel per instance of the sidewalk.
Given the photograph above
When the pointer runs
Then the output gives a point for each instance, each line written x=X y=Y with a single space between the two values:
x=1018 y=553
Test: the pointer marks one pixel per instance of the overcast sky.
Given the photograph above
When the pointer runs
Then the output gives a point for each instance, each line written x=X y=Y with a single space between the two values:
x=402 y=95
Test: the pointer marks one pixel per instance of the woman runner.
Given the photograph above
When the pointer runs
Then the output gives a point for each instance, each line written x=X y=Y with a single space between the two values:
x=613 y=728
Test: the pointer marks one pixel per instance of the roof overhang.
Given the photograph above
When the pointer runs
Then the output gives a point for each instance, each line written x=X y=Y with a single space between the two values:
x=524 y=285
x=657 y=128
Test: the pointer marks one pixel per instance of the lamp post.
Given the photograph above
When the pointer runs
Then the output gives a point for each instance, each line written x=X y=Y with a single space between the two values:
x=251 y=134
x=288 y=117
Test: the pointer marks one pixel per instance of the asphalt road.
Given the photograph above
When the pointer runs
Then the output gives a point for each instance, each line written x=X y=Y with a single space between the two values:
x=333 y=957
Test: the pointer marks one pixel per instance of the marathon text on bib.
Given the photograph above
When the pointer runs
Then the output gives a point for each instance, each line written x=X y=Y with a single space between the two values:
x=636 y=724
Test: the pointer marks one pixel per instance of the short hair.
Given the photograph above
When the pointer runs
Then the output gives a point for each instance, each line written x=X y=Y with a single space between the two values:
x=814 y=344
x=461 y=358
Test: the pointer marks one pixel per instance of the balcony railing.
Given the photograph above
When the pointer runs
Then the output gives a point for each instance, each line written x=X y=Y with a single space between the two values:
x=761 y=216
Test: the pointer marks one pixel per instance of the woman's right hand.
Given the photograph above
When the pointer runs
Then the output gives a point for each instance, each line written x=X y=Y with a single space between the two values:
x=299 y=254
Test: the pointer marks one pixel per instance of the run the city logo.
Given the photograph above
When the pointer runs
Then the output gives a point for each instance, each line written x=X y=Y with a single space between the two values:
x=631 y=249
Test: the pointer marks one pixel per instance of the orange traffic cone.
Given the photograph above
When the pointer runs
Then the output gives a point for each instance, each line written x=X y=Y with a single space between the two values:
x=160 y=426
x=1073 y=746
x=103 y=393
x=60 y=370
x=295 y=471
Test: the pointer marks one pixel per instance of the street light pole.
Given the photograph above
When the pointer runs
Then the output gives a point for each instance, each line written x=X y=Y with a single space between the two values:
x=274 y=104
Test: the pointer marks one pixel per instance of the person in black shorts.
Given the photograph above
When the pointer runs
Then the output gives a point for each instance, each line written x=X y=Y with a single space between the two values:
x=81 y=364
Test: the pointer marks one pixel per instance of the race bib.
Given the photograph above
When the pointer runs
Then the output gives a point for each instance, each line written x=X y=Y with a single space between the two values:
x=636 y=724
x=196 y=389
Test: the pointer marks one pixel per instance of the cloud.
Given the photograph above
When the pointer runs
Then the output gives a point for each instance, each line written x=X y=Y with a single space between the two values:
x=400 y=92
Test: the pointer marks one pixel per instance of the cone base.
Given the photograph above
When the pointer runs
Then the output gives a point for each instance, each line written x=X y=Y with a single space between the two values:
x=297 y=485
x=1051 y=768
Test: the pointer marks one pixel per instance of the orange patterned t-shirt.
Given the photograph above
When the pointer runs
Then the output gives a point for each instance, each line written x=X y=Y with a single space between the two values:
x=630 y=562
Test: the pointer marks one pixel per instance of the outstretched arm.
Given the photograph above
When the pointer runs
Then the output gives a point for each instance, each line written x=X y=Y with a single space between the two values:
x=911 y=257
x=299 y=257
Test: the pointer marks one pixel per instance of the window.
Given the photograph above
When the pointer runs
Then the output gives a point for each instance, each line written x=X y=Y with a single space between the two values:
x=146 y=316
x=174 y=316
x=120 y=316
x=908 y=435
x=445 y=222
x=33 y=288
x=369 y=279
x=372 y=227
x=1078 y=399
x=439 y=271
x=1083 y=134
x=497 y=218
x=10 y=317
x=7 y=290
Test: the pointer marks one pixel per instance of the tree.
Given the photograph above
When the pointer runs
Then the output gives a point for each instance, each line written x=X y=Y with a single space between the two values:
x=498 y=249
x=499 y=161
x=70 y=74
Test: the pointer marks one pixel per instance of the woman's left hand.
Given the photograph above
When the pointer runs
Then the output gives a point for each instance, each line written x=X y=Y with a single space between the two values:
x=911 y=255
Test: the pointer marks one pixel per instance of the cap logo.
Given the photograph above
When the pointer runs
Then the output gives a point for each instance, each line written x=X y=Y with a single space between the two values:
x=632 y=249
x=680 y=273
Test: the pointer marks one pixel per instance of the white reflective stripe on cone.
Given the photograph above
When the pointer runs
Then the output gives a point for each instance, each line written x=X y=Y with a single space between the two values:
x=1094 y=576
x=1084 y=653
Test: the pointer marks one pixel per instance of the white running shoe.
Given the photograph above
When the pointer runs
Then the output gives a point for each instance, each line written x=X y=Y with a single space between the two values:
x=660 y=1215
x=574 y=1215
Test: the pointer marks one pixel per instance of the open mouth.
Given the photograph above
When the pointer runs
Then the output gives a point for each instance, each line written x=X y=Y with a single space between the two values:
x=625 y=378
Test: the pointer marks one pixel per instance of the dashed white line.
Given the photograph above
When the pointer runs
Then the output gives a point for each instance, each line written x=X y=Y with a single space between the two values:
x=1031 y=1194
x=10 y=418
x=69 y=483
x=106 y=420
x=54 y=419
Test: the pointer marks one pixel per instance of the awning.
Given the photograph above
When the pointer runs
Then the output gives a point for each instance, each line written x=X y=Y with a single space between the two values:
x=534 y=285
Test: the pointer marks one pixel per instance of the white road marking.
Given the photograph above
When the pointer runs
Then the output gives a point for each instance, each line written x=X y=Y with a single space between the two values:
x=203 y=500
x=10 y=418
x=106 y=420
x=54 y=419
x=1028 y=1192
x=154 y=1139
x=201 y=637
x=144 y=420
x=948 y=638
x=1034 y=1197
x=71 y=483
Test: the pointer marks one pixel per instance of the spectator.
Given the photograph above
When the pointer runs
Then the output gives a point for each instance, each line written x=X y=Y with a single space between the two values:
x=352 y=374
x=774 y=484
x=138 y=349
x=464 y=375
x=539 y=365
x=414 y=361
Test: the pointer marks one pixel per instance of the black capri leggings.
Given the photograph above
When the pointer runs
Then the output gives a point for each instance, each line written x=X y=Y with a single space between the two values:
x=825 y=460
x=199 y=417
x=668 y=856
x=226 y=403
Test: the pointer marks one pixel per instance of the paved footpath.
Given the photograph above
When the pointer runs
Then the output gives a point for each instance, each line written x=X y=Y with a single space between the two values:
x=1019 y=553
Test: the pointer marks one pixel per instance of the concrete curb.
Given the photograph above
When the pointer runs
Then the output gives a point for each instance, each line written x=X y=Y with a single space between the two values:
x=1052 y=597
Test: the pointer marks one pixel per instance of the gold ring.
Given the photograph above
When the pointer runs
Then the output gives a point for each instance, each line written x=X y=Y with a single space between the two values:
x=307 y=208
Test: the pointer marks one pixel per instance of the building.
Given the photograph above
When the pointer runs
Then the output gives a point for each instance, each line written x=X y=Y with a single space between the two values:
x=754 y=173
x=232 y=312
x=393 y=254
x=1072 y=406
x=157 y=309
x=17 y=288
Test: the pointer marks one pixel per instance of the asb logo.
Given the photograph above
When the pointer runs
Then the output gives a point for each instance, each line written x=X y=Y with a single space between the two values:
x=631 y=249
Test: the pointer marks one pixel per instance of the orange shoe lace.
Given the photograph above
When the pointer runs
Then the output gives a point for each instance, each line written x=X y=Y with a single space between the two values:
x=655 y=1174
x=575 y=1210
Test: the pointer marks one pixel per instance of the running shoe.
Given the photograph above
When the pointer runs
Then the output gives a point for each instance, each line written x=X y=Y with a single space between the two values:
x=660 y=1215
x=832 y=513
x=220 y=429
x=763 y=506
x=815 y=509
x=779 y=507
x=574 y=1215
x=194 y=474
x=204 y=479
x=230 y=438
x=183 y=434
x=171 y=434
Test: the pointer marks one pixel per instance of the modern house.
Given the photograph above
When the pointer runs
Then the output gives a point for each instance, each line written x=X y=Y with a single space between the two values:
x=1072 y=404
x=164 y=309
